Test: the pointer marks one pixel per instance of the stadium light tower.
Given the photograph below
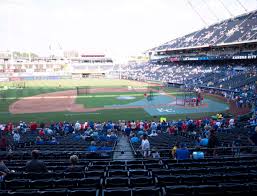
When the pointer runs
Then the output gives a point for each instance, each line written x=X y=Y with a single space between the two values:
x=195 y=10
x=55 y=49
x=239 y=2
x=230 y=13
x=211 y=11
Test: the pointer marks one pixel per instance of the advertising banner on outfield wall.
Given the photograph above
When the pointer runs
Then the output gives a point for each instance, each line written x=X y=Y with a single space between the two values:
x=15 y=78
x=65 y=77
x=28 y=78
x=4 y=79
x=53 y=77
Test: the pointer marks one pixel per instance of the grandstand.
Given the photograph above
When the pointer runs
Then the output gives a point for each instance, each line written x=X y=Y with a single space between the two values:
x=27 y=68
x=220 y=58
x=238 y=30
x=147 y=155
x=91 y=65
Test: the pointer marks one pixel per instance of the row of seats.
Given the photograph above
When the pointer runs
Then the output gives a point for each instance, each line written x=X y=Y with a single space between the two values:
x=135 y=172
x=226 y=166
x=132 y=181
x=222 y=188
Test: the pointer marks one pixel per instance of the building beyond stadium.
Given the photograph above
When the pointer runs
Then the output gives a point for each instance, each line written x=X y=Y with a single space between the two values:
x=81 y=66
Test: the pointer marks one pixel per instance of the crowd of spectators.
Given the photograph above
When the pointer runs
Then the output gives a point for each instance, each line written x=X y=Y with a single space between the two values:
x=237 y=84
x=146 y=138
x=236 y=29
x=98 y=134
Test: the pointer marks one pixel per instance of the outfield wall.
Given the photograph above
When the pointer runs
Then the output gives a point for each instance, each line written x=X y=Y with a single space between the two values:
x=43 y=76
x=52 y=77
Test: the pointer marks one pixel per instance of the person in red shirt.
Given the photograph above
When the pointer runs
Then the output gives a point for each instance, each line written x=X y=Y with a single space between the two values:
x=213 y=122
x=146 y=126
x=41 y=132
x=129 y=124
x=184 y=127
x=138 y=125
x=33 y=126
x=198 y=123
x=172 y=130
x=10 y=127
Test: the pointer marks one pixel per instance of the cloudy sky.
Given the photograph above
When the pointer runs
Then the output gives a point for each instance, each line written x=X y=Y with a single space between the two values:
x=116 y=27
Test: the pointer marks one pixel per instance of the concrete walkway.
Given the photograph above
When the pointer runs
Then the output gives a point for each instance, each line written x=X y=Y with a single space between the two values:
x=123 y=145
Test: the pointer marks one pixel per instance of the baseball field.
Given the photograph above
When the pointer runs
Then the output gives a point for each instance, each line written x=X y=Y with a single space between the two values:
x=95 y=99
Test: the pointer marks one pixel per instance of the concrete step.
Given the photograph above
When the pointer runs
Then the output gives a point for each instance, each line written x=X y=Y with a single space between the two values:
x=123 y=145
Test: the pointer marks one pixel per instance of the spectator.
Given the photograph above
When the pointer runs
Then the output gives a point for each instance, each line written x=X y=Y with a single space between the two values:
x=73 y=167
x=173 y=150
x=182 y=153
x=145 y=146
x=213 y=142
x=172 y=130
x=77 y=126
x=127 y=130
x=92 y=147
x=35 y=165
x=231 y=123
x=134 y=139
x=49 y=131
x=53 y=141
x=155 y=154
x=39 y=141
x=204 y=141
x=16 y=137
x=153 y=134
x=198 y=154
x=33 y=126
x=41 y=132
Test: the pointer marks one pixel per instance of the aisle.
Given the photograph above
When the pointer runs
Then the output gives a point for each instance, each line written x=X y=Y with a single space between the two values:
x=123 y=145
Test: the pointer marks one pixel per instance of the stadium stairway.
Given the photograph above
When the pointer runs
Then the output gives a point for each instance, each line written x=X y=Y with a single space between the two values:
x=123 y=150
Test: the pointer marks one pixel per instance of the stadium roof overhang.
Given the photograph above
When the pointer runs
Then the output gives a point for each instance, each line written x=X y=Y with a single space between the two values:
x=210 y=46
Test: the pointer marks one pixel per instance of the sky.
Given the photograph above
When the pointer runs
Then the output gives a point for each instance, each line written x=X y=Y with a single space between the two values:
x=118 y=28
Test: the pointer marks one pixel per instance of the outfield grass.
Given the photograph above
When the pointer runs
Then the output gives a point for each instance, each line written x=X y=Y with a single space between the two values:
x=46 y=86
x=72 y=83
x=35 y=87
x=13 y=95
x=103 y=115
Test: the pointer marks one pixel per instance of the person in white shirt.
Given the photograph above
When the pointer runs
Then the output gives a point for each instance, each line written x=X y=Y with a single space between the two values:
x=16 y=137
x=141 y=125
x=231 y=122
x=145 y=146
x=153 y=133
x=77 y=126
x=155 y=154
x=133 y=125
x=153 y=126
x=49 y=131
x=218 y=123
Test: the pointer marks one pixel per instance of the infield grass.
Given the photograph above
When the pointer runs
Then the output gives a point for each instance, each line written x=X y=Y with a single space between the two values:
x=36 y=87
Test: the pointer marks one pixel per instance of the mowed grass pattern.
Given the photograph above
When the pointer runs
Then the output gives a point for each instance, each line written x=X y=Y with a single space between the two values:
x=107 y=99
x=36 y=87
x=72 y=83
